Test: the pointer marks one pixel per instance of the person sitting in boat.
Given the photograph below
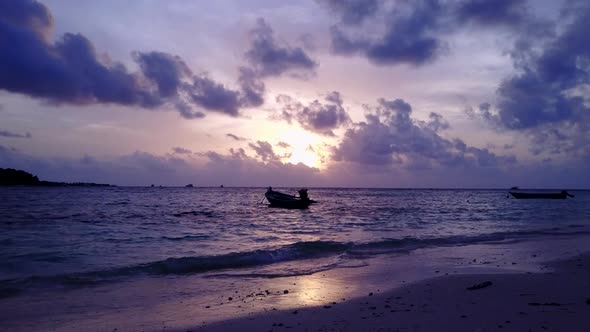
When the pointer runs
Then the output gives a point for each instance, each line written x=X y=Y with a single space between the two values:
x=269 y=189
x=303 y=194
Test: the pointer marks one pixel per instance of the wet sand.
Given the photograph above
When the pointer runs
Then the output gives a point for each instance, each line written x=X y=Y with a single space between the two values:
x=514 y=289
x=558 y=300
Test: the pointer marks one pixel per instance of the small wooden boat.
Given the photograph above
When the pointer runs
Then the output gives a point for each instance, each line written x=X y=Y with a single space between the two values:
x=544 y=194
x=279 y=199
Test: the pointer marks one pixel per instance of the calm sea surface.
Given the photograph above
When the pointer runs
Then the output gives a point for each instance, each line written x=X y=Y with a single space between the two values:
x=78 y=236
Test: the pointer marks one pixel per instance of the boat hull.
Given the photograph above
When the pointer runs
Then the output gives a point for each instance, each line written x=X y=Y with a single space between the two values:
x=539 y=195
x=286 y=201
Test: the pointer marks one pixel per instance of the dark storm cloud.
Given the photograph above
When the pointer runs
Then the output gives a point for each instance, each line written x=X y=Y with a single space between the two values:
x=6 y=133
x=547 y=98
x=180 y=150
x=318 y=117
x=268 y=58
x=70 y=71
x=352 y=11
x=235 y=137
x=391 y=137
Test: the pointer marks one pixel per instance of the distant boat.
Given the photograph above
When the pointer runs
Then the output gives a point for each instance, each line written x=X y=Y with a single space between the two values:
x=544 y=194
x=279 y=199
x=190 y=185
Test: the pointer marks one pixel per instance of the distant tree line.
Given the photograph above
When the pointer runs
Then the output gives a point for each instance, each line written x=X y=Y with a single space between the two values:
x=16 y=177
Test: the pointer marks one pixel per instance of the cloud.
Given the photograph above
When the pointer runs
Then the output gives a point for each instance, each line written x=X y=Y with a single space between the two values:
x=415 y=32
x=27 y=14
x=497 y=12
x=71 y=71
x=352 y=12
x=283 y=144
x=6 y=133
x=269 y=58
x=140 y=168
x=180 y=150
x=235 y=137
x=391 y=139
x=264 y=151
x=166 y=70
x=252 y=88
x=318 y=117
x=547 y=98
x=409 y=37
x=236 y=168
x=213 y=96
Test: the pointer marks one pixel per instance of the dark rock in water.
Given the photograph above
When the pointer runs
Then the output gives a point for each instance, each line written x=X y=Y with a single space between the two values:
x=285 y=291
x=190 y=185
x=480 y=286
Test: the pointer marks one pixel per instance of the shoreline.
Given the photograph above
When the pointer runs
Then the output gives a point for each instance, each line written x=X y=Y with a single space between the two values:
x=202 y=302
x=528 y=301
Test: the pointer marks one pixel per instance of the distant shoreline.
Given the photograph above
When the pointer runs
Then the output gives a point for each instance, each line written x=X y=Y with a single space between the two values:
x=18 y=178
x=10 y=177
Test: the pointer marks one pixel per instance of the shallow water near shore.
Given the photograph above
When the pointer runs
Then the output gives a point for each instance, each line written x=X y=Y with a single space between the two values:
x=175 y=251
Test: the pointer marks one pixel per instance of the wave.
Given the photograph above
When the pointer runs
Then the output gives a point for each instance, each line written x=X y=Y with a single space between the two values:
x=208 y=214
x=293 y=252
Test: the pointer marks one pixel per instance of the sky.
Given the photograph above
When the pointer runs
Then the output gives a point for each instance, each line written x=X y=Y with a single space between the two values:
x=337 y=93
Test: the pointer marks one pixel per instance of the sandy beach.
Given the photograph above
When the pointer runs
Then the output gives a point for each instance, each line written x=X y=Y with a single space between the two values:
x=540 y=285
x=558 y=300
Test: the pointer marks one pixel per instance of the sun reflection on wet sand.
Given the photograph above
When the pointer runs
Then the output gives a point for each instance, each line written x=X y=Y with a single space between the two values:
x=317 y=290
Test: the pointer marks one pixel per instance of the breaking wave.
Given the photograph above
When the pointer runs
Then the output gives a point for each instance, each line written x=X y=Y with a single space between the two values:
x=292 y=252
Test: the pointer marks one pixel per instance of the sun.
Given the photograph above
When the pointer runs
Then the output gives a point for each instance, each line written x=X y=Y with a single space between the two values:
x=304 y=156
x=301 y=147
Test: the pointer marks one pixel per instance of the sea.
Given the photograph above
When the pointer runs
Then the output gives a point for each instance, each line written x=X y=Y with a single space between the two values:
x=60 y=238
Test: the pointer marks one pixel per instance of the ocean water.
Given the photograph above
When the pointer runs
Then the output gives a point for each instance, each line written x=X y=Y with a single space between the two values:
x=78 y=237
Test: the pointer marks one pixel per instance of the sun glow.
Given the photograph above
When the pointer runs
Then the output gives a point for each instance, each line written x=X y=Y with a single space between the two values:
x=302 y=148
x=304 y=156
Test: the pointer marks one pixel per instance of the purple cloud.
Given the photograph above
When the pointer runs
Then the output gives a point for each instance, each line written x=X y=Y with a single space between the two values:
x=6 y=133
x=283 y=144
x=391 y=138
x=410 y=37
x=318 y=117
x=252 y=88
x=268 y=58
x=167 y=71
x=545 y=99
x=265 y=151
x=352 y=12
x=180 y=150
x=235 y=137
x=70 y=71
x=495 y=12
x=414 y=31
